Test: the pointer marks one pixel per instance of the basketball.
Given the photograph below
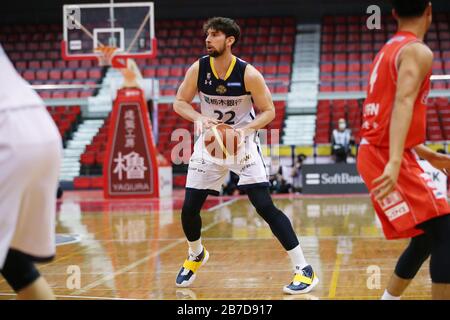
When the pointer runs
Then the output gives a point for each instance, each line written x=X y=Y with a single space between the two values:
x=221 y=141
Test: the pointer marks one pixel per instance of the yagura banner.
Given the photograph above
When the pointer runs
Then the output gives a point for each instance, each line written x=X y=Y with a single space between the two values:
x=130 y=169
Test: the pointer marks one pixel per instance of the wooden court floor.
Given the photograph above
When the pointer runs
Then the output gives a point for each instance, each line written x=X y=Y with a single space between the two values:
x=134 y=249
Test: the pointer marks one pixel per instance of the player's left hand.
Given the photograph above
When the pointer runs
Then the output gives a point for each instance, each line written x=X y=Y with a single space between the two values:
x=441 y=162
x=386 y=183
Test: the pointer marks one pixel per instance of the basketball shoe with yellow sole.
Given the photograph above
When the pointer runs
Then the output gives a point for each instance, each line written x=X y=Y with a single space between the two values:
x=303 y=282
x=188 y=271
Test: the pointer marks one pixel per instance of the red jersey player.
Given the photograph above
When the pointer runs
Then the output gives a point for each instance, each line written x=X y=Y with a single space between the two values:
x=393 y=132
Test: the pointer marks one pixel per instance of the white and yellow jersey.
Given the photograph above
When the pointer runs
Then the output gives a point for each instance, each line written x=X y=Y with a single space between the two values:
x=226 y=99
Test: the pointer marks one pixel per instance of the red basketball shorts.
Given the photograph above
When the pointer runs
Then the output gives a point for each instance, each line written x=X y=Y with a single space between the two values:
x=414 y=200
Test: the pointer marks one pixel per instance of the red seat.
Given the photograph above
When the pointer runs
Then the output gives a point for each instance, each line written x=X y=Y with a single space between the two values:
x=284 y=69
x=176 y=71
x=326 y=67
x=97 y=182
x=149 y=72
x=340 y=67
x=270 y=69
x=41 y=55
x=81 y=74
x=82 y=182
x=55 y=75
x=58 y=94
x=53 y=55
x=42 y=75
x=44 y=94
x=72 y=94
x=34 y=64
x=85 y=64
x=61 y=64
x=87 y=159
x=73 y=64
x=354 y=67
x=447 y=66
x=162 y=72
x=27 y=55
x=67 y=74
x=95 y=73
x=47 y=64
x=20 y=65
x=179 y=60
x=29 y=75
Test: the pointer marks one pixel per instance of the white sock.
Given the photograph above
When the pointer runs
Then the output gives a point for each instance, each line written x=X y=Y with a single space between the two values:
x=297 y=258
x=195 y=247
x=388 y=296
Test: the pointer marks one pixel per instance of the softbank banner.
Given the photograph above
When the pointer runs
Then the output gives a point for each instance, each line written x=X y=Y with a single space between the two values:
x=344 y=179
x=332 y=179
x=438 y=180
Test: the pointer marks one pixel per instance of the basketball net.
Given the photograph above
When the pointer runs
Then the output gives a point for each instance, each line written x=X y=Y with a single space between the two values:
x=106 y=55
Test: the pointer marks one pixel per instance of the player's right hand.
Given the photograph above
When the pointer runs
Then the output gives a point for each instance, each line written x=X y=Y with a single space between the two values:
x=385 y=184
x=203 y=123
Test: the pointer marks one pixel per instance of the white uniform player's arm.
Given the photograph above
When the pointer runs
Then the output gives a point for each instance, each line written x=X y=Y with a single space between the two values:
x=186 y=93
x=424 y=152
x=255 y=84
x=438 y=160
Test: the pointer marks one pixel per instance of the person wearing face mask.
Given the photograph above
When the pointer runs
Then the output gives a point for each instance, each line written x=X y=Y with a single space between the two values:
x=341 y=141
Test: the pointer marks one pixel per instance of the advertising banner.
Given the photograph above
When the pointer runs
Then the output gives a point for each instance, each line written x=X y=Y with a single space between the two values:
x=339 y=178
x=130 y=169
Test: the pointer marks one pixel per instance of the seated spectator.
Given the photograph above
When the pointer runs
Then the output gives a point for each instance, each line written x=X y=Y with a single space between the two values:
x=278 y=184
x=341 y=142
x=297 y=173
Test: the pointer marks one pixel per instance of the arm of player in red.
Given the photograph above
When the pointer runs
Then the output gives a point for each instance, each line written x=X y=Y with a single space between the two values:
x=414 y=63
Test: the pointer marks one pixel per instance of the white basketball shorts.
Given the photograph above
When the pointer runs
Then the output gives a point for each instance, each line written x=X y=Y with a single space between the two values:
x=208 y=173
x=30 y=156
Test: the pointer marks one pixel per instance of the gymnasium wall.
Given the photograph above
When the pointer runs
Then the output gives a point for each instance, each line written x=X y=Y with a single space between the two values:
x=27 y=11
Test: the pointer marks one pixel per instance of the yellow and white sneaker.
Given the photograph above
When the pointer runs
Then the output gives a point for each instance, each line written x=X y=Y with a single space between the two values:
x=303 y=282
x=188 y=271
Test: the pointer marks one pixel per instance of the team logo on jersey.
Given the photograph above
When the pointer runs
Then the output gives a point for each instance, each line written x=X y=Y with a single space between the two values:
x=208 y=79
x=221 y=89
x=397 y=211
x=391 y=200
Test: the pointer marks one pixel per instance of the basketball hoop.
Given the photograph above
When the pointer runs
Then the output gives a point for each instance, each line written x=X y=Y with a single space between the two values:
x=106 y=55
x=109 y=32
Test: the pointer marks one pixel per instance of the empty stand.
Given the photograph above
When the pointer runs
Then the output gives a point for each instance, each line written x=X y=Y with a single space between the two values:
x=66 y=119
x=330 y=111
x=348 y=49
x=35 y=52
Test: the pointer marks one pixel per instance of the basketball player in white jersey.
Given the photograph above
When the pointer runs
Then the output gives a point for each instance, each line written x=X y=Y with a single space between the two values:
x=228 y=88
x=30 y=155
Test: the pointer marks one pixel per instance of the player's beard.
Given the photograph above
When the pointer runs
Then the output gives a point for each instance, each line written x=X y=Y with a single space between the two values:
x=216 y=53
